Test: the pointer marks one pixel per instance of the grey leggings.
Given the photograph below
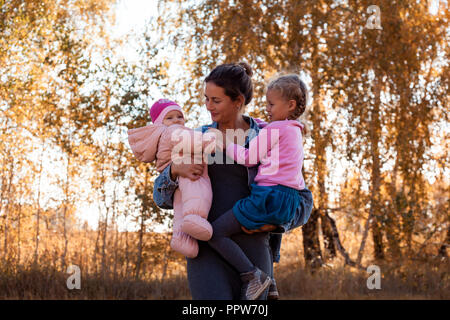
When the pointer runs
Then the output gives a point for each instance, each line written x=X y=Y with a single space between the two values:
x=223 y=228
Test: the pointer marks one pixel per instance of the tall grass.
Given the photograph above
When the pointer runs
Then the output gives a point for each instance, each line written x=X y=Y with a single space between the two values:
x=417 y=281
x=165 y=278
x=39 y=283
x=410 y=281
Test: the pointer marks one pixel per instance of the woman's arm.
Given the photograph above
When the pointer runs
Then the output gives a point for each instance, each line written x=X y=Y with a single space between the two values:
x=164 y=189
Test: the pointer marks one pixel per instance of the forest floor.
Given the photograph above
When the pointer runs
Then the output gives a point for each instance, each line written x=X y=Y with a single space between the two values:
x=409 y=281
x=415 y=281
x=416 y=278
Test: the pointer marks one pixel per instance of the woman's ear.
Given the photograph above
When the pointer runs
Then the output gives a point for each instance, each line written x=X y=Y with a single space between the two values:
x=240 y=102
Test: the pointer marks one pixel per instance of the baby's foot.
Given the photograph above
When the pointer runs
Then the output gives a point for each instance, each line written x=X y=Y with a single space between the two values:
x=197 y=227
x=184 y=244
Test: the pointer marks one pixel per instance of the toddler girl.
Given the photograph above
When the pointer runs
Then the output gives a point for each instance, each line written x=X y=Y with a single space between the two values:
x=274 y=195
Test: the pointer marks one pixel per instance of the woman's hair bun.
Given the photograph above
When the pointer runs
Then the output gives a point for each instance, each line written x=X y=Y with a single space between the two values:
x=248 y=69
x=235 y=78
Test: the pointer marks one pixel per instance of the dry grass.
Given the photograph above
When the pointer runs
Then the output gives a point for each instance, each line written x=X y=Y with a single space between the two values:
x=419 y=279
x=424 y=281
x=422 y=278
x=419 y=282
x=41 y=284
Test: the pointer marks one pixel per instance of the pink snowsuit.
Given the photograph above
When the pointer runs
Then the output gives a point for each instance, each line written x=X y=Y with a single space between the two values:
x=192 y=200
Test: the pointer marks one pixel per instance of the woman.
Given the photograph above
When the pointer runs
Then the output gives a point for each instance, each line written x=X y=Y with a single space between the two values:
x=228 y=88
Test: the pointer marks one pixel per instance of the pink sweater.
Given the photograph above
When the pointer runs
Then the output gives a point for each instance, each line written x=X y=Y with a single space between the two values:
x=279 y=150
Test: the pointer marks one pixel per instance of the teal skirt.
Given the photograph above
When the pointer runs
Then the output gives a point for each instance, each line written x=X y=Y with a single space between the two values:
x=267 y=205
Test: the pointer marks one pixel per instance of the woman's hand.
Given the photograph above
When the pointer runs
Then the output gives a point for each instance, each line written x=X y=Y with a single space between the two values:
x=190 y=171
x=264 y=228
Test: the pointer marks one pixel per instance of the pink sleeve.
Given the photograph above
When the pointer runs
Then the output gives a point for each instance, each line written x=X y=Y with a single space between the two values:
x=144 y=141
x=258 y=148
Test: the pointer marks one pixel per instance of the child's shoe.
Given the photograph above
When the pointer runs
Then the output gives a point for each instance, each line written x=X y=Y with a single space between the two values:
x=254 y=284
x=273 y=291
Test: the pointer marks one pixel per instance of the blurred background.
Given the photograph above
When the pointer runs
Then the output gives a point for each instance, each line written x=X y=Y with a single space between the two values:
x=75 y=75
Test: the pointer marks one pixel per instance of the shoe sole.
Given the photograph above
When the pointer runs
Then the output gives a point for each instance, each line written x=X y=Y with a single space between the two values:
x=258 y=293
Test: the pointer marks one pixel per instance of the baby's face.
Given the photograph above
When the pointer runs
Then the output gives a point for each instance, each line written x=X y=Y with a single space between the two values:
x=173 y=117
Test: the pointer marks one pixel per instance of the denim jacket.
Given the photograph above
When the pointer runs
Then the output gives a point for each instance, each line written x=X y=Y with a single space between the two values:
x=165 y=187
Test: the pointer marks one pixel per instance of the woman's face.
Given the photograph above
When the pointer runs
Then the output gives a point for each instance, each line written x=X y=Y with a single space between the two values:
x=219 y=105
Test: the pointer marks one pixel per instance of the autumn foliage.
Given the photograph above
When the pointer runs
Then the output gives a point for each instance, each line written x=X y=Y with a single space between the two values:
x=376 y=155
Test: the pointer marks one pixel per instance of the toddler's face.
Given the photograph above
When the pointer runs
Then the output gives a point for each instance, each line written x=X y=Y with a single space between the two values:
x=173 y=117
x=278 y=108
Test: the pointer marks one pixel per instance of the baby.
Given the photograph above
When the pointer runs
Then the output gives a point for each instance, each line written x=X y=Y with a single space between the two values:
x=167 y=140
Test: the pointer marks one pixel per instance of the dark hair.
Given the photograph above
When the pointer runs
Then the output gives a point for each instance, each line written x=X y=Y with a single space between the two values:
x=292 y=88
x=235 y=79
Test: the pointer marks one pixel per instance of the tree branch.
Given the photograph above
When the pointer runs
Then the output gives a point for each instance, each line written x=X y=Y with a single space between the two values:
x=339 y=245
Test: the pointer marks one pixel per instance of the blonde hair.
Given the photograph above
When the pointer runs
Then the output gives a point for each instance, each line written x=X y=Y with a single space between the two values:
x=291 y=88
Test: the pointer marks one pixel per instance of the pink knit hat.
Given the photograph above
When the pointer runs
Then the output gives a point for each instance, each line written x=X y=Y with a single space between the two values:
x=161 y=107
